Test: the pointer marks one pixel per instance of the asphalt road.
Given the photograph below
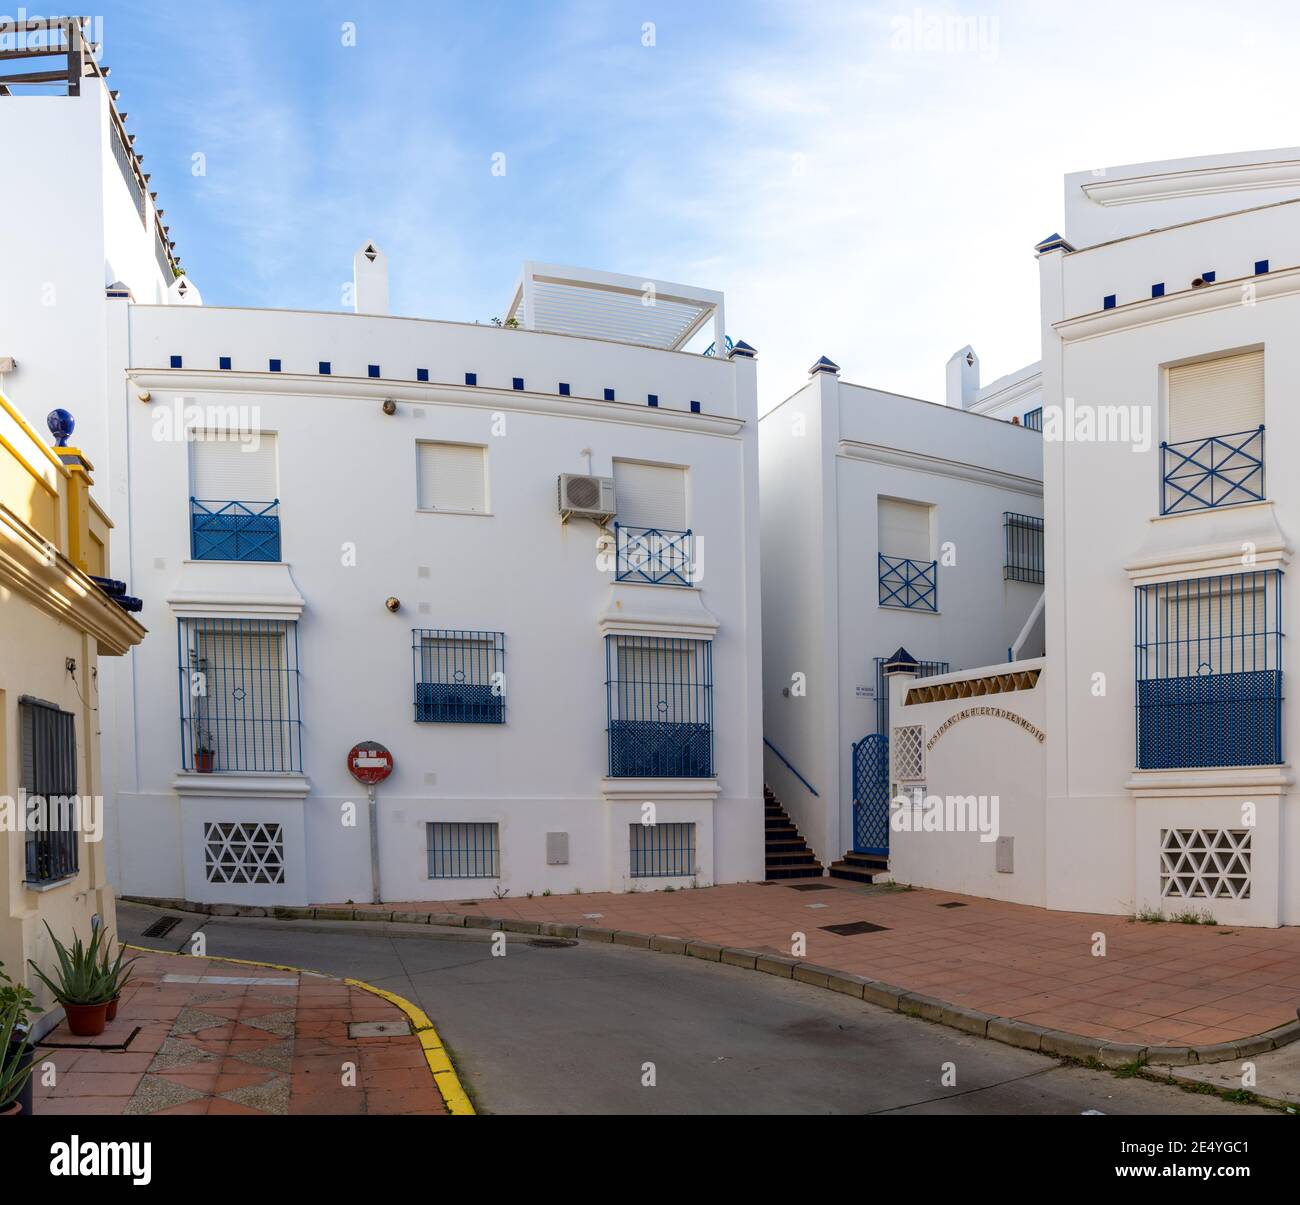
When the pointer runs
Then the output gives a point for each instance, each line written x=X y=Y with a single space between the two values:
x=595 y=1029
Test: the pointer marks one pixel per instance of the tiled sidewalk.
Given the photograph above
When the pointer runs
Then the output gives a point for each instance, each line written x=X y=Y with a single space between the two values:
x=204 y=1036
x=1158 y=984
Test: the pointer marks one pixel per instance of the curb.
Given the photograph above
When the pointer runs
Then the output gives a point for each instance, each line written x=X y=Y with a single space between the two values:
x=444 y=1074
x=1006 y=1030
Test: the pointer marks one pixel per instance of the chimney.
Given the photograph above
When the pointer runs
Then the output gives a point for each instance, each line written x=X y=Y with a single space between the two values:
x=963 y=378
x=370 y=280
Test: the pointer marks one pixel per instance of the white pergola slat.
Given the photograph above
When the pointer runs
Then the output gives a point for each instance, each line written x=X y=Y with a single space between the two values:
x=606 y=305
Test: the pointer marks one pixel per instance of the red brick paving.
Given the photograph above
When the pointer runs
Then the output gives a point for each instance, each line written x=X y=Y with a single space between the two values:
x=259 y=1049
x=1158 y=984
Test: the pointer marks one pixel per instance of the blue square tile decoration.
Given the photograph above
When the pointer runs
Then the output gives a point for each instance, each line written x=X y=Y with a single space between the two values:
x=373 y=370
x=609 y=395
x=1108 y=302
x=1158 y=290
x=223 y=362
x=421 y=374
x=324 y=368
x=275 y=365
x=564 y=388
x=176 y=361
x=695 y=407
x=1261 y=266
x=471 y=378
x=517 y=382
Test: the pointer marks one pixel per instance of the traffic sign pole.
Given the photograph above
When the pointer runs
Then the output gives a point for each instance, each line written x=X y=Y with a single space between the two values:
x=370 y=763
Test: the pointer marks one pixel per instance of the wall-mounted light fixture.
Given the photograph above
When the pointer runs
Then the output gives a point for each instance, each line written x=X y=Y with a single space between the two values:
x=390 y=406
x=393 y=604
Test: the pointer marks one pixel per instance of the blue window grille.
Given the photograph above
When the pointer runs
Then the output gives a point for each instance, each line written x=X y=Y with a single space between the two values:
x=463 y=850
x=48 y=763
x=1024 y=547
x=1222 y=470
x=234 y=531
x=925 y=669
x=239 y=697
x=659 y=851
x=654 y=555
x=459 y=676
x=909 y=584
x=1034 y=419
x=659 y=694
x=1209 y=671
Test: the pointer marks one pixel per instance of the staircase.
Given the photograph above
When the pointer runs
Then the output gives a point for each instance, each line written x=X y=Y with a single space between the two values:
x=861 y=868
x=788 y=855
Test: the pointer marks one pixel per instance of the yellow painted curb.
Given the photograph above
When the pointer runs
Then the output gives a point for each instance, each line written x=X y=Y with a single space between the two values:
x=444 y=1074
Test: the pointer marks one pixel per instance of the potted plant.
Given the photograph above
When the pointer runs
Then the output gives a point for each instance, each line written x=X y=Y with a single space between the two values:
x=81 y=986
x=17 y=1006
x=115 y=976
x=205 y=753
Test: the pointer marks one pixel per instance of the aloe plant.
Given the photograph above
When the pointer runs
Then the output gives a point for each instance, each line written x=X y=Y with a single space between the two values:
x=115 y=974
x=13 y=1073
x=82 y=977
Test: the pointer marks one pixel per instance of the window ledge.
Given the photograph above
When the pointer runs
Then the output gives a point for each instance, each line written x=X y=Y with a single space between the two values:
x=912 y=610
x=49 y=884
x=477 y=514
x=287 y=787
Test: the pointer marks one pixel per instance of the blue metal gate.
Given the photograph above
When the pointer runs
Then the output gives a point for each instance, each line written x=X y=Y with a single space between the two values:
x=871 y=795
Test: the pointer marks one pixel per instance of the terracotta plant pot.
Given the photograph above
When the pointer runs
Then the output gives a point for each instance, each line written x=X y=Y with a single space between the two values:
x=13 y=1110
x=203 y=759
x=87 y=1020
x=111 y=1013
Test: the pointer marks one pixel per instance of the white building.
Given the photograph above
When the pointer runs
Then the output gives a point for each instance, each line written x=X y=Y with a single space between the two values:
x=889 y=523
x=1145 y=768
x=355 y=528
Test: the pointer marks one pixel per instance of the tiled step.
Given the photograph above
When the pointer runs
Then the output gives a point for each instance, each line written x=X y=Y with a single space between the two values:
x=787 y=853
x=795 y=872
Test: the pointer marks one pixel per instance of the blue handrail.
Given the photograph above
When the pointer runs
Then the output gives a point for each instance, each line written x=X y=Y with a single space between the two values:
x=785 y=761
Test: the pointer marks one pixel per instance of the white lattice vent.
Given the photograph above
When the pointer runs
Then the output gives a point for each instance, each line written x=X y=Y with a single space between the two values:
x=243 y=852
x=908 y=747
x=1205 y=863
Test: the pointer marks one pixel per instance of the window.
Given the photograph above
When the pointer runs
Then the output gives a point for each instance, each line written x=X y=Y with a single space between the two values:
x=907 y=572
x=1209 y=672
x=908 y=749
x=463 y=850
x=650 y=495
x=659 y=693
x=1034 y=419
x=48 y=738
x=234 y=500
x=239 y=696
x=459 y=676
x=661 y=850
x=453 y=477
x=904 y=528
x=1214 y=454
x=1023 y=535
x=243 y=852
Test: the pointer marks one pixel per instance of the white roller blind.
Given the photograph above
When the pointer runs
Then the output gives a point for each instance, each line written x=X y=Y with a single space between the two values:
x=234 y=466
x=1216 y=397
x=451 y=477
x=904 y=528
x=650 y=495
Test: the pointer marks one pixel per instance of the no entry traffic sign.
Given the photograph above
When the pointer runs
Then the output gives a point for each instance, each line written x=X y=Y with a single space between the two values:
x=369 y=762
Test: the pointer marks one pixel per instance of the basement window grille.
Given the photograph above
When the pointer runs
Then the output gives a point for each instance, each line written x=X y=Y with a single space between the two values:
x=1023 y=536
x=661 y=850
x=48 y=740
x=462 y=850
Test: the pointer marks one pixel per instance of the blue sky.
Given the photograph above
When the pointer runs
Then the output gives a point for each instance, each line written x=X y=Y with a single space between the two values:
x=859 y=185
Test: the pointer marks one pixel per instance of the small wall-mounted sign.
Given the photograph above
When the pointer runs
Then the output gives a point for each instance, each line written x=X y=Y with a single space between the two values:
x=865 y=692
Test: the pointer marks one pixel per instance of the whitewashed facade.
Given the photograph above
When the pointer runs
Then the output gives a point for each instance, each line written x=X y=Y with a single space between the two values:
x=347 y=527
x=887 y=523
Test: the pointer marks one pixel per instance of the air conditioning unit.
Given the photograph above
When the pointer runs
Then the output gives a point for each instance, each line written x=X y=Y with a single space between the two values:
x=583 y=497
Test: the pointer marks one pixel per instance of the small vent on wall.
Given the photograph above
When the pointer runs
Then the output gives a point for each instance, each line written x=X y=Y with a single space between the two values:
x=1205 y=863
x=242 y=853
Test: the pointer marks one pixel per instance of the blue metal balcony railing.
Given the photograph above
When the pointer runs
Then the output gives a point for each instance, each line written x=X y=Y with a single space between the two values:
x=655 y=555
x=659 y=694
x=909 y=584
x=1209 y=671
x=234 y=531
x=459 y=676
x=239 y=697
x=1024 y=547
x=1222 y=470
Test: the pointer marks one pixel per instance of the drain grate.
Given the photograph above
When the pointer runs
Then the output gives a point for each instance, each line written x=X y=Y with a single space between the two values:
x=853 y=928
x=811 y=887
x=953 y=904
x=552 y=943
x=162 y=926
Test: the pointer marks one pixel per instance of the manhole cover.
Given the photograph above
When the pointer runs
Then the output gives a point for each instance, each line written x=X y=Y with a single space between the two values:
x=378 y=1029
x=552 y=943
x=811 y=887
x=853 y=928
x=162 y=926
x=953 y=904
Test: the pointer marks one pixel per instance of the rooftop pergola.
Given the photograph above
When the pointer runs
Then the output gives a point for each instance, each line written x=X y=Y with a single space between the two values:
x=606 y=305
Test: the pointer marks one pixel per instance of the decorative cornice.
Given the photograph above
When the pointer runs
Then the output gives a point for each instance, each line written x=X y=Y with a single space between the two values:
x=184 y=381
x=939 y=466
x=1226 y=781
x=660 y=790
x=1222 y=295
x=35 y=569
x=1209 y=542
x=284 y=788
x=638 y=609
x=247 y=590
x=1198 y=182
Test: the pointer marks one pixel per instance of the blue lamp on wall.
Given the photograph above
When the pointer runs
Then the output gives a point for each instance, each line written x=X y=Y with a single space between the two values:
x=61 y=424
